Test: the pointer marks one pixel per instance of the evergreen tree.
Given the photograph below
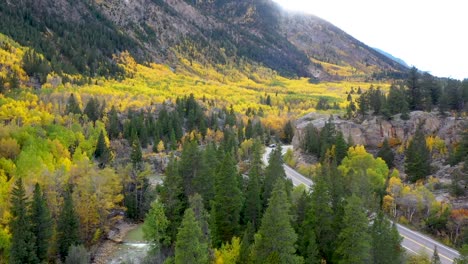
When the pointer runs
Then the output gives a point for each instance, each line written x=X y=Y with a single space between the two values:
x=273 y=172
x=227 y=202
x=386 y=153
x=288 y=131
x=415 y=91
x=396 y=100
x=320 y=218
x=253 y=202
x=41 y=223
x=190 y=246
x=417 y=157
x=113 y=129
x=77 y=255
x=102 y=153
x=155 y=226
x=201 y=215
x=435 y=257
x=191 y=167
x=136 y=155
x=354 y=241
x=311 y=141
x=386 y=248
x=246 y=244
x=92 y=109
x=276 y=237
x=23 y=242
x=204 y=182
x=67 y=227
x=341 y=147
x=311 y=254
x=173 y=197
x=72 y=106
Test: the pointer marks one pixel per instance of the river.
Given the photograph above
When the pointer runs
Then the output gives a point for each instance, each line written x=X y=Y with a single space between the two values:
x=132 y=250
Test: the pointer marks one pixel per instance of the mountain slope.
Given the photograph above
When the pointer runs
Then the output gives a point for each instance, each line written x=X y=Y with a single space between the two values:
x=83 y=35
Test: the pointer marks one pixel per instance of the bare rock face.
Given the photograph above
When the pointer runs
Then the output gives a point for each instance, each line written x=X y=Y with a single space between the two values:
x=371 y=132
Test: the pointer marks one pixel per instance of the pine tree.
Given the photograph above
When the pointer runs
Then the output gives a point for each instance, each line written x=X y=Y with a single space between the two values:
x=435 y=257
x=415 y=91
x=273 y=172
x=102 y=153
x=72 y=105
x=190 y=246
x=92 y=109
x=341 y=147
x=204 y=183
x=41 y=223
x=320 y=217
x=191 y=167
x=113 y=129
x=173 y=197
x=253 y=202
x=67 y=227
x=417 y=157
x=136 y=155
x=201 y=215
x=155 y=226
x=288 y=131
x=386 y=153
x=354 y=244
x=276 y=237
x=311 y=254
x=23 y=242
x=386 y=248
x=227 y=202
x=77 y=255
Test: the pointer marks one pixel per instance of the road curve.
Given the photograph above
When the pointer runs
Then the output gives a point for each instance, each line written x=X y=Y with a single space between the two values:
x=413 y=242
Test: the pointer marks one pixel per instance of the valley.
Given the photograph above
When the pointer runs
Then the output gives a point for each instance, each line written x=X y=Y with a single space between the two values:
x=169 y=115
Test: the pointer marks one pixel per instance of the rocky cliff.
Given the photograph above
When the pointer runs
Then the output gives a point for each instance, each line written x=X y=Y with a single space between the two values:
x=372 y=131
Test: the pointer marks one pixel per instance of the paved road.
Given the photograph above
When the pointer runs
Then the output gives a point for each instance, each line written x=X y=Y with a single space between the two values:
x=413 y=241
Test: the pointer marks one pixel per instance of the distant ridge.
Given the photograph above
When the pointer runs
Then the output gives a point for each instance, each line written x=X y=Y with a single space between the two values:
x=390 y=56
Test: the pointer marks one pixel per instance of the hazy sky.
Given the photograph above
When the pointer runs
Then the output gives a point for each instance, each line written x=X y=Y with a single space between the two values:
x=429 y=34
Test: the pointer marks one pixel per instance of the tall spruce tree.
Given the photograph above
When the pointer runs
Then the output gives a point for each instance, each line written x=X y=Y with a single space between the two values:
x=415 y=90
x=253 y=202
x=155 y=227
x=72 y=106
x=114 y=126
x=190 y=246
x=136 y=155
x=41 y=223
x=276 y=238
x=201 y=215
x=102 y=153
x=173 y=197
x=386 y=248
x=386 y=153
x=67 y=226
x=273 y=172
x=417 y=157
x=228 y=201
x=191 y=167
x=23 y=242
x=341 y=147
x=320 y=217
x=354 y=241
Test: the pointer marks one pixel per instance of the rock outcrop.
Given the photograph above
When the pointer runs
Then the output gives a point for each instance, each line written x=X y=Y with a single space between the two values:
x=372 y=131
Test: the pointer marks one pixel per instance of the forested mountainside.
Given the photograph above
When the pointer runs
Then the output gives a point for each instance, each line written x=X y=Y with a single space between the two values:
x=158 y=113
x=83 y=36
